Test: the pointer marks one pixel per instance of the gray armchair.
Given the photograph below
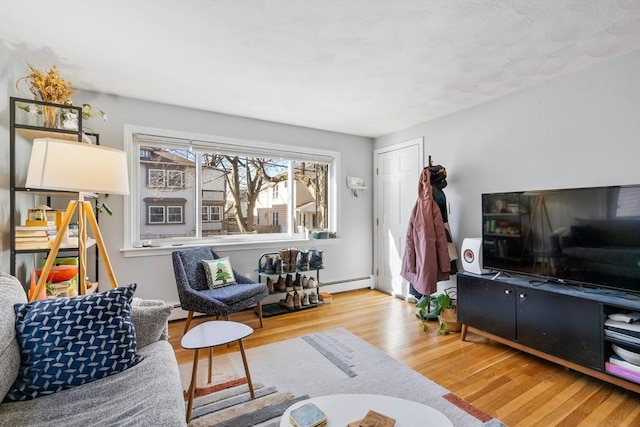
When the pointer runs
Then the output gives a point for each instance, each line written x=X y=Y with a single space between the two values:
x=194 y=292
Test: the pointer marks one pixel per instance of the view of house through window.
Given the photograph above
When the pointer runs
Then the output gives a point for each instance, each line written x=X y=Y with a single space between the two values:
x=190 y=193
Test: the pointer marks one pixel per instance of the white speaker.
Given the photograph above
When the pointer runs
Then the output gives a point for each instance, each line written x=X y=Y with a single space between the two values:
x=472 y=255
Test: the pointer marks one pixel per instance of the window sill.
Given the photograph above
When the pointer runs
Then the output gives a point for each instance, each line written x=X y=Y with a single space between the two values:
x=227 y=246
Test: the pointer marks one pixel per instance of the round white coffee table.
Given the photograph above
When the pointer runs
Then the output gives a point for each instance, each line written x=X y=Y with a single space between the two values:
x=342 y=409
x=209 y=335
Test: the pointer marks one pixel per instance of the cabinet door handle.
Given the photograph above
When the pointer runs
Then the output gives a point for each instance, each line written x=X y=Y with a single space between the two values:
x=507 y=291
x=523 y=296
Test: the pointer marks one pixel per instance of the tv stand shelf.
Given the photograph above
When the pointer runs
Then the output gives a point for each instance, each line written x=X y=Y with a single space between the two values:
x=560 y=323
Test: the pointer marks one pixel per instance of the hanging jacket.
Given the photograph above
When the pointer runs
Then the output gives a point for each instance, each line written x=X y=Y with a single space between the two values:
x=426 y=257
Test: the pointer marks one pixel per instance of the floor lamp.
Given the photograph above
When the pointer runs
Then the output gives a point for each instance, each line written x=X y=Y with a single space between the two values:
x=80 y=168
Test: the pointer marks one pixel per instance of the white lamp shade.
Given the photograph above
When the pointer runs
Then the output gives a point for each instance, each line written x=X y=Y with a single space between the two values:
x=78 y=167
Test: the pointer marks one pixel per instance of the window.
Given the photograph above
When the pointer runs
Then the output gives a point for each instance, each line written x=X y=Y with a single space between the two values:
x=216 y=214
x=211 y=213
x=156 y=214
x=203 y=188
x=174 y=214
x=159 y=178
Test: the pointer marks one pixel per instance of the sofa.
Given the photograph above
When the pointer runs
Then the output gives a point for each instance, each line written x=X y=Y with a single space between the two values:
x=593 y=247
x=149 y=393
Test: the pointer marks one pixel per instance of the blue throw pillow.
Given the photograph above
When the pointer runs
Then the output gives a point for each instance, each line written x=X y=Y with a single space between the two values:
x=65 y=342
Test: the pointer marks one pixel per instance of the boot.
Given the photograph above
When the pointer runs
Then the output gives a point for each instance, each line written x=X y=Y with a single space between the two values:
x=270 y=285
x=305 y=300
x=289 y=283
x=267 y=267
x=282 y=287
x=313 y=298
x=277 y=265
x=293 y=258
x=287 y=302
x=303 y=260
x=297 y=303
x=284 y=256
x=297 y=284
x=316 y=259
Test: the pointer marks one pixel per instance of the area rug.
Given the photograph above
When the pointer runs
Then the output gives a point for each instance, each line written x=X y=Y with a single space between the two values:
x=319 y=364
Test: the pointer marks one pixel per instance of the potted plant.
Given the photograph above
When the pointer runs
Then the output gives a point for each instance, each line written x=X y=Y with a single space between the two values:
x=442 y=306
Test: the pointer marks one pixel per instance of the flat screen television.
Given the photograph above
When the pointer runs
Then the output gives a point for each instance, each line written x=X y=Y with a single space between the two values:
x=582 y=236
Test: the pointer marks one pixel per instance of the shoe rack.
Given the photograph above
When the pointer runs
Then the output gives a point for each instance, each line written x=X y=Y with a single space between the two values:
x=289 y=281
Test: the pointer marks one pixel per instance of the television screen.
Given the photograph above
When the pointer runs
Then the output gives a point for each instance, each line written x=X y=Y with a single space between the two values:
x=586 y=236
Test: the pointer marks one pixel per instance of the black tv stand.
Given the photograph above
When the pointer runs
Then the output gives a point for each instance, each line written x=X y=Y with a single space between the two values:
x=556 y=322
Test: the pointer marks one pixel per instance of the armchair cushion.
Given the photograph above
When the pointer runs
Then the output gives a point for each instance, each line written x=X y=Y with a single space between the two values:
x=219 y=272
x=66 y=342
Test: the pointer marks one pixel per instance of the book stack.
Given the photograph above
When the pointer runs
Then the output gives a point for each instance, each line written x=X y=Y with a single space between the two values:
x=374 y=419
x=624 y=328
x=308 y=415
x=30 y=237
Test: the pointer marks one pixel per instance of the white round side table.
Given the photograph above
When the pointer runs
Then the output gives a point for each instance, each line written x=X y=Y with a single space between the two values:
x=209 y=335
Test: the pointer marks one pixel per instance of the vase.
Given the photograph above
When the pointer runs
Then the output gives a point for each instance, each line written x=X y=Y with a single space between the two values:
x=70 y=121
x=51 y=117
x=33 y=115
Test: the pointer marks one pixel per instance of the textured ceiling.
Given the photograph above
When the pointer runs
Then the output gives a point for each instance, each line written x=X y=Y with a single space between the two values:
x=359 y=67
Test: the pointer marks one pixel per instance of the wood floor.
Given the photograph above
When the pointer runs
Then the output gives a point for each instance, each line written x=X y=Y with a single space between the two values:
x=518 y=389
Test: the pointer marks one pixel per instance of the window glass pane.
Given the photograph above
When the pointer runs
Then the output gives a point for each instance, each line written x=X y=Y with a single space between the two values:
x=156 y=178
x=156 y=214
x=168 y=202
x=174 y=214
x=215 y=213
x=174 y=179
x=205 y=214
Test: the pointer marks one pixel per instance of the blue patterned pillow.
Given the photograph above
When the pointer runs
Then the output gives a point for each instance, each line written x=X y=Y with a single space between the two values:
x=65 y=342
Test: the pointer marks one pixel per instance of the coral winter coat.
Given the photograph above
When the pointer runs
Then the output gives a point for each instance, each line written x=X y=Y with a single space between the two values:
x=426 y=257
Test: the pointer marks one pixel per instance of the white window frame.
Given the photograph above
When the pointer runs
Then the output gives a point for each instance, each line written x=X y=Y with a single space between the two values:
x=160 y=173
x=274 y=218
x=168 y=179
x=169 y=213
x=217 y=213
x=164 y=214
x=205 y=214
x=211 y=143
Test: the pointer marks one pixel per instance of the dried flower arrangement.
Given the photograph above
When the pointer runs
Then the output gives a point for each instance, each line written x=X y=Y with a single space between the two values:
x=50 y=87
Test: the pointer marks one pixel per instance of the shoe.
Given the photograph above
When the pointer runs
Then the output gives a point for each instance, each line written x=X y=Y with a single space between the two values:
x=267 y=267
x=281 y=286
x=287 y=302
x=288 y=283
x=270 y=285
x=313 y=298
x=284 y=257
x=305 y=282
x=303 y=260
x=297 y=284
x=293 y=258
x=277 y=265
x=311 y=282
x=316 y=259
x=305 y=299
x=297 y=303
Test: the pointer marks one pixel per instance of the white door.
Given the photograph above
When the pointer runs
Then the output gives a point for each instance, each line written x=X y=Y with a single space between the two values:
x=397 y=171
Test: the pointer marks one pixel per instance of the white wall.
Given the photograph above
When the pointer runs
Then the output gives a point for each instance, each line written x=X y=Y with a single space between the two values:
x=577 y=130
x=345 y=258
